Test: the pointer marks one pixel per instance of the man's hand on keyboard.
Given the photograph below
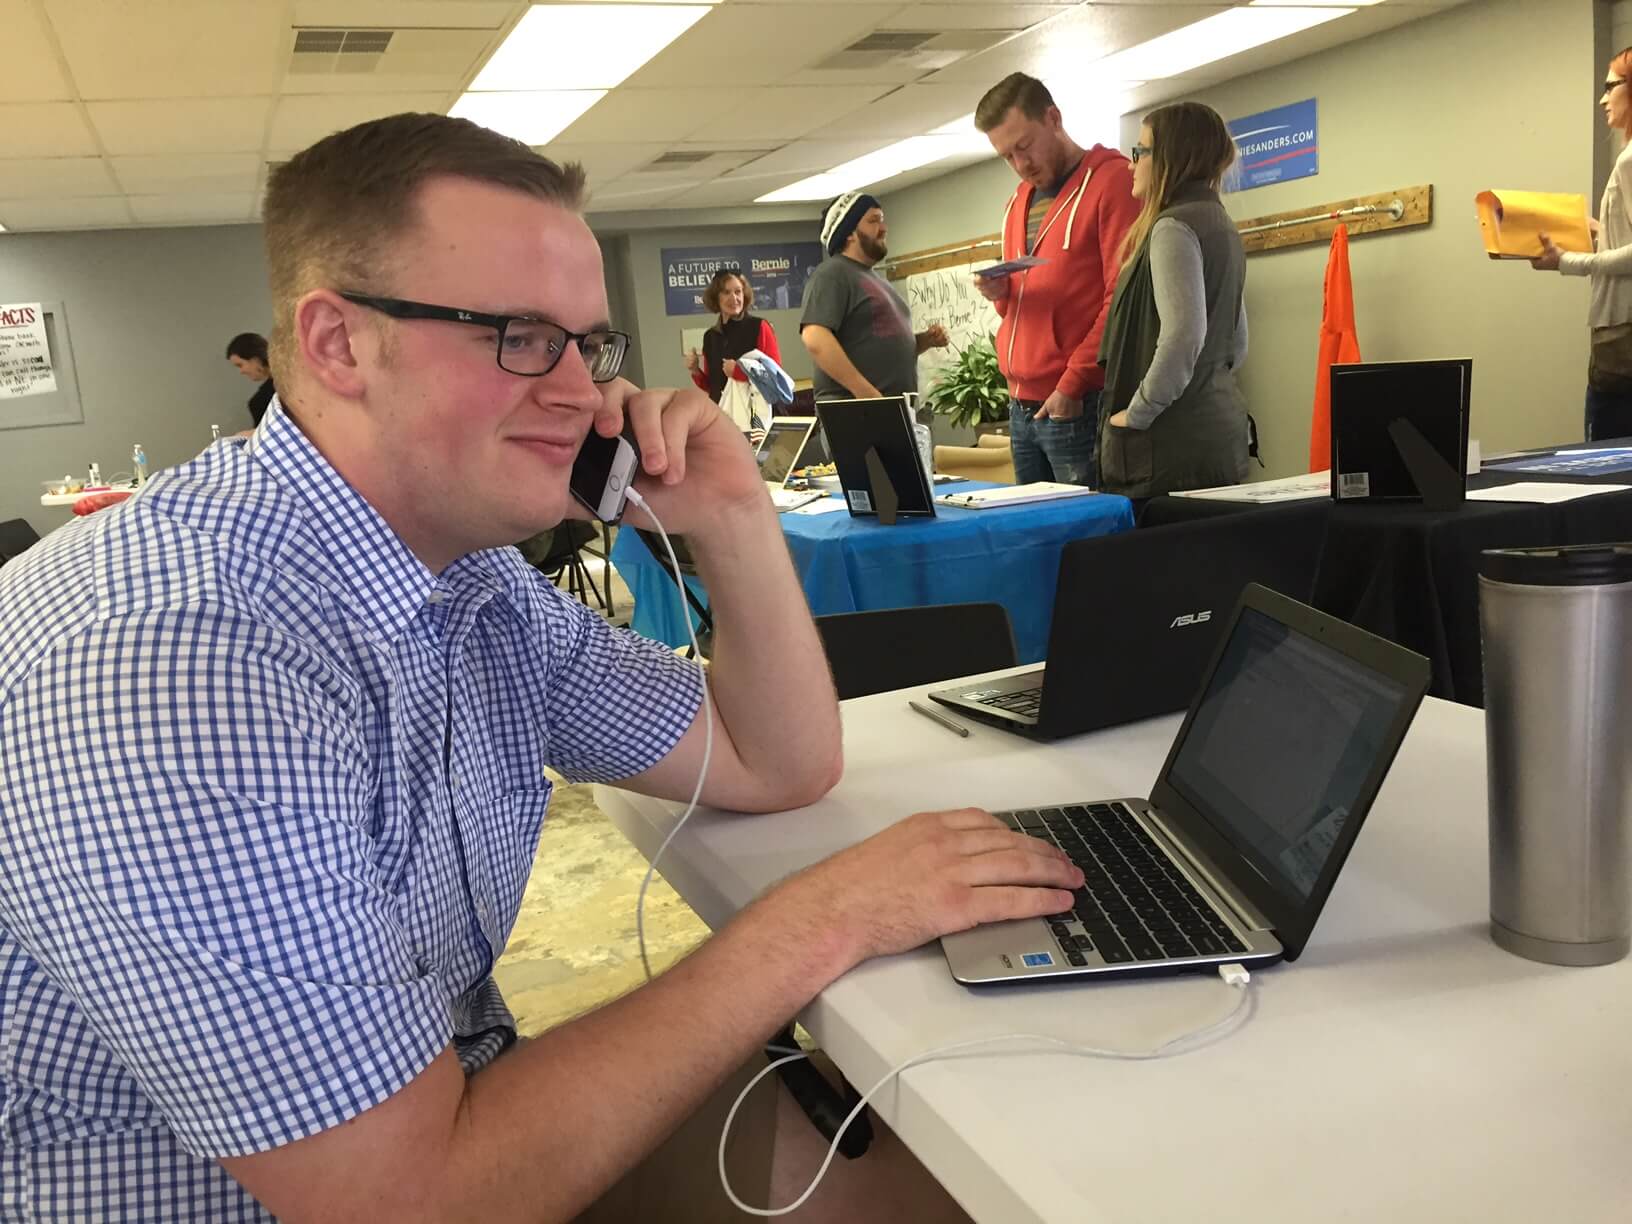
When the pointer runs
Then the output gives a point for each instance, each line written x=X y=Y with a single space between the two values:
x=929 y=875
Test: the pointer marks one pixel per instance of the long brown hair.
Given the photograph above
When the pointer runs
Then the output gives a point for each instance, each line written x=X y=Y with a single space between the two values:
x=1188 y=144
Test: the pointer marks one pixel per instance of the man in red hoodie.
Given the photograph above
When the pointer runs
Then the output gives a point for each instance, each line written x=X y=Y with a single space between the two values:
x=1071 y=211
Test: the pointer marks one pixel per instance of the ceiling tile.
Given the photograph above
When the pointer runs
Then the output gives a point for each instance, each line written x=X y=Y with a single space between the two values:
x=720 y=194
x=758 y=44
x=972 y=16
x=909 y=111
x=173 y=48
x=605 y=162
x=658 y=114
x=624 y=194
x=306 y=119
x=790 y=111
x=194 y=125
x=107 y=213
x=221 y=209
x=29 y=71
x=44 y=129
x=203 y=174
x=1066 y=48
x=38 y=178
x=810 y=157
x=401 y=14
x=415 y=61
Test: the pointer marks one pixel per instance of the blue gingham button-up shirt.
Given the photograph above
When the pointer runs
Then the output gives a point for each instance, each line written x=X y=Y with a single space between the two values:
x=269 y=796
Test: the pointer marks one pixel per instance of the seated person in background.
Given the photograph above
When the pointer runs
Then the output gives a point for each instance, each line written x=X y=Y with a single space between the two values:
x=735 y=332
x=1172 y=416
x=247 y=352
x=268 y=808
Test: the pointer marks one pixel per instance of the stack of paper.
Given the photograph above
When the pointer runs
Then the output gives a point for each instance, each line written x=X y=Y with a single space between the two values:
x=1288 y=488
x=1512 y=222
x=1013 y=495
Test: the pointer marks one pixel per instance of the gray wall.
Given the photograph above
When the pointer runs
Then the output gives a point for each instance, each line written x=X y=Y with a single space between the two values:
x=657 y=333
x=1468 y=99
x=150 y=313
x=1464 y=100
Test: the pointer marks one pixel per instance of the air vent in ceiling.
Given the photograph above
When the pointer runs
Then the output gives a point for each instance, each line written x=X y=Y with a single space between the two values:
x=681 y=157
x=924 y=50
x=339 y=51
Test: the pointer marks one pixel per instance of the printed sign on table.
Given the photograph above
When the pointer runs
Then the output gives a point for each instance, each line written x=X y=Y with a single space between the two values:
x=25 y=357
x=1273 y=146
x=777 y=271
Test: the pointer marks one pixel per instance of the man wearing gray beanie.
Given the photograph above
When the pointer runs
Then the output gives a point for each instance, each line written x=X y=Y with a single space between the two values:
x=857 y=328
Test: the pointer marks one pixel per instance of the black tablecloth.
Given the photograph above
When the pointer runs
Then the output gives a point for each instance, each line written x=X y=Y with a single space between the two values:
x=1412 y=575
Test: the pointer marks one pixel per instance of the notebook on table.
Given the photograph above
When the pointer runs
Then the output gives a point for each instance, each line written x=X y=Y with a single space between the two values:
x=1232 y=856
x=1014 y=495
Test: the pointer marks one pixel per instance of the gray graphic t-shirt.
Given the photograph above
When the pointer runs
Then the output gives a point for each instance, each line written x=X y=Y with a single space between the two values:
x=869 y=320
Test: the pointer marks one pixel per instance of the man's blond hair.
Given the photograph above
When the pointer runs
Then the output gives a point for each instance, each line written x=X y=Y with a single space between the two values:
x=335 y=211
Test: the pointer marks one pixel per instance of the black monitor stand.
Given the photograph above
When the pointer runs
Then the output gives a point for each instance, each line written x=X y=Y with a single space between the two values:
x=885 y=500
x=1442 y=488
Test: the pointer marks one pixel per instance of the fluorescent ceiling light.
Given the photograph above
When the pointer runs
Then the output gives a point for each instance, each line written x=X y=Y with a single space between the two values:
x=1211 y=39
x=883 y=164
x=583 y=46
x=534 y=117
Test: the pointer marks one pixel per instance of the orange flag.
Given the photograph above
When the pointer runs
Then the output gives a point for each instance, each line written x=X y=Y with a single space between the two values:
x=1338 y=343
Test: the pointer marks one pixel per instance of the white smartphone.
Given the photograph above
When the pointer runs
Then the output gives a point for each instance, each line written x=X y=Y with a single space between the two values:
x=601 y=475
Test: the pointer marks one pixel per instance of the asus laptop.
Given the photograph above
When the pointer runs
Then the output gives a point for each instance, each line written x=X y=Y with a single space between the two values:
x=1232 y=856
x=1137 y=615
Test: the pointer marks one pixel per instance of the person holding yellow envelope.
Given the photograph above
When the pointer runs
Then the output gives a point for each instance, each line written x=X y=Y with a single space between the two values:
x=1609 y=369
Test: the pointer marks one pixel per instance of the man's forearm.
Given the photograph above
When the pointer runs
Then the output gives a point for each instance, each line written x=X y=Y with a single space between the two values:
x=766 y=648
x=556 y=1122
x=829 y=355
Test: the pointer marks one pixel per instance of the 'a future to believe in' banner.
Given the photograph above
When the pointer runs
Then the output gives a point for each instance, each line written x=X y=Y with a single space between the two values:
x=777 y=271
x=25 y=357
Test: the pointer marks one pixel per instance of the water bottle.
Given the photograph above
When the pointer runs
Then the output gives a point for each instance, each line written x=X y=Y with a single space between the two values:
x=926 y=449
x=215 y=433
x=93 y=475
x=1554 y=626
x=138 y=464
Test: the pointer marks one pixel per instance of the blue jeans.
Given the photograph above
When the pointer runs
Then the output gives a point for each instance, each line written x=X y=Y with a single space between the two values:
x=1609 y=415
x=1054 y=450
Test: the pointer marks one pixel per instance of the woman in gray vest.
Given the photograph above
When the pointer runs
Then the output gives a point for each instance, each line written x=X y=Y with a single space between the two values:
x=1171 y=416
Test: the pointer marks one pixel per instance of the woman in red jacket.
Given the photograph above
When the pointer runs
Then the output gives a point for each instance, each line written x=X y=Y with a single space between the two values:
x=729 y=295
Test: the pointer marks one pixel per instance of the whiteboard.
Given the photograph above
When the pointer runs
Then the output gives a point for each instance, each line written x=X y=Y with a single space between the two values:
x=947 y=296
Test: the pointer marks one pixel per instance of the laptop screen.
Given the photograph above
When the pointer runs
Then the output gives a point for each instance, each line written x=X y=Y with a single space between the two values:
x=1281 y=745
x=781 y=449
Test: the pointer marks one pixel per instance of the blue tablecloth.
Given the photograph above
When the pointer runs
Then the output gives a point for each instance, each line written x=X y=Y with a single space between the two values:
x=1009 y=556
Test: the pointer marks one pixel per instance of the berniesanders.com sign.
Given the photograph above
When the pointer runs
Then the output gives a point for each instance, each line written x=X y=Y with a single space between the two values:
x=1273 y=146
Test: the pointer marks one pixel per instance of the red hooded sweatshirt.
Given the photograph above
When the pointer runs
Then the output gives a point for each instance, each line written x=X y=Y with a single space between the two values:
x=1055 y=312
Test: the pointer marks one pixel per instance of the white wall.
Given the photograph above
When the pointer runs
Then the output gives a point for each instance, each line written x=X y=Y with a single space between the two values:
x=150 y=313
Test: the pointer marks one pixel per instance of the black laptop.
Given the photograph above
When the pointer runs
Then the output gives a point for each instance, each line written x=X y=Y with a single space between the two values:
x=1232 y=856
x=1137 y=615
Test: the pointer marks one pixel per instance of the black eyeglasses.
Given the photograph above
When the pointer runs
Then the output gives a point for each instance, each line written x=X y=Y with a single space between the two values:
x=526 y=346
x=1138 y=151
x=1609 y=86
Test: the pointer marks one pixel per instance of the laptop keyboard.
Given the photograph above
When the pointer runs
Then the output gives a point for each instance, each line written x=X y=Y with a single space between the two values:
x=1135 y=904
x=1020 y=701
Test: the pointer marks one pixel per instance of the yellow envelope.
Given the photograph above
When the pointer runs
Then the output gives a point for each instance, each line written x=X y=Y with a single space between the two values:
x=1512 y=222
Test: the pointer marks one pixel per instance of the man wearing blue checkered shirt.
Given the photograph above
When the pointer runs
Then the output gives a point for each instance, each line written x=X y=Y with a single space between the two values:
x=273 y=737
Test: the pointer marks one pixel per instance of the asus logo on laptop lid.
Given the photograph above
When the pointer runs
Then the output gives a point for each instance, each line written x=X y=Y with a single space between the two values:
x=1191 y=618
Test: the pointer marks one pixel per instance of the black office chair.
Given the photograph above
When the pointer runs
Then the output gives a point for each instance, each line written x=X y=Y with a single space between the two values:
x=557 y=552
x=688 y=567
x=15 y=536
x=875 y=652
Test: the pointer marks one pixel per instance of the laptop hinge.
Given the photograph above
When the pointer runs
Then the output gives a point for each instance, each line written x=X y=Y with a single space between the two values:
x=1242 y=909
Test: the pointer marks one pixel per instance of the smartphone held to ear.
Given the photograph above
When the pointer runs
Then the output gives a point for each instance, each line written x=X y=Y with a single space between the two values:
x=602 y=473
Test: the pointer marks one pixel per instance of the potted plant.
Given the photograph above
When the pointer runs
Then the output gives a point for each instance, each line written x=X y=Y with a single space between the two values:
x=972 y=393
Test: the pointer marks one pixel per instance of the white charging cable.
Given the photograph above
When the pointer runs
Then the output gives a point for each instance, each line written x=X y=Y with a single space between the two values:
x=708 y=735
x=1235 y=975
